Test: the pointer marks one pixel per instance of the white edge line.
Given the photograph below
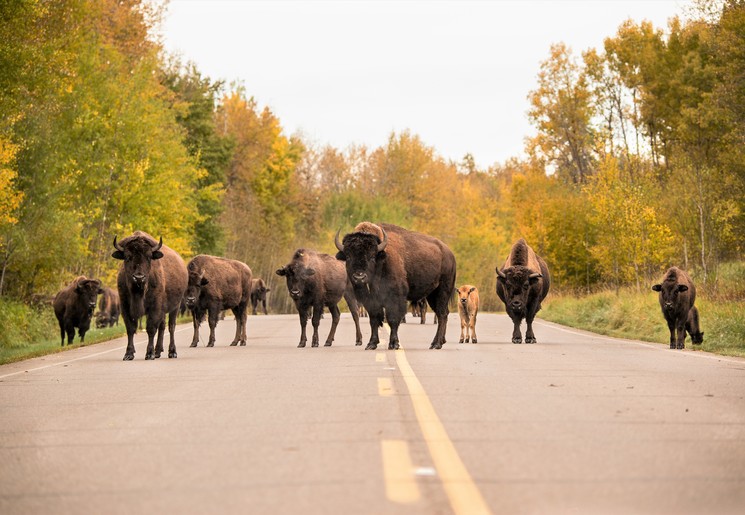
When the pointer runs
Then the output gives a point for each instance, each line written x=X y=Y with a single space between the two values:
x=80 y=358
x=655 y=346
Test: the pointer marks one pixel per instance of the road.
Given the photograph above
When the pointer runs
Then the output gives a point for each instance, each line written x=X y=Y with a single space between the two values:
x=577 y=423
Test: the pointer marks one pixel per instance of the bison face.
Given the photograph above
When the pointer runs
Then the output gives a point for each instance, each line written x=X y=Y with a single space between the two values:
x=297 y=277
x=137 y=254
x=88 y=290
x=669 y=293
x=463 y=293
x=516 y=282
x=194 y=289
x=361 y=253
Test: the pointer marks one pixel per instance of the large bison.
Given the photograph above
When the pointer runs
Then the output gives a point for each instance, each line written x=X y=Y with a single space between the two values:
x=259 y=290
x=388 y=266
x=315 y=280
x=468 y=308
x=677 y=296
x=151 y=282
x=216 y=284
x=522 y=284
x=74 y=305
x=109 y=309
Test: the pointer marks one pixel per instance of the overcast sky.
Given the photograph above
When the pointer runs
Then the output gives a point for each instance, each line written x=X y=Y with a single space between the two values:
x=351 y=72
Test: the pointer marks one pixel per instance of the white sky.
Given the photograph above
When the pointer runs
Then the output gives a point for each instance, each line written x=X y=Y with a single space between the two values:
x=351 y=72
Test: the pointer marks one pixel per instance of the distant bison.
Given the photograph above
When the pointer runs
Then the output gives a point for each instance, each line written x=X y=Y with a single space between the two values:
x=74 y=305
x=108 y=309
x=388 y=266
x=151 y=282
x=315 y=280
x=419 y=310
x=216 y=284
x=522 y=284
x=677 y=296
x=258 y=294
x=468 y=308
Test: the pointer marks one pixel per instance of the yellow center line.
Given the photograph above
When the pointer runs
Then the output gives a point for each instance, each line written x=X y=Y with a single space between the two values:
x=380 y=357
x=400 y=482
x=385 y=386
x=464 y=495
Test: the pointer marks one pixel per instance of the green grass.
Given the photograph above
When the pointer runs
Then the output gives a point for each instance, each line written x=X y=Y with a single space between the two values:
x=637 y=316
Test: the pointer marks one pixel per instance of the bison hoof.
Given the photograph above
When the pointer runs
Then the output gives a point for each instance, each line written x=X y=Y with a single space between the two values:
x=149 y=356
x=531 y=340
x=436 y=346
x=301 y=345
x=172 y=354
x=393 y=346
x=371 y=346
x=460 y=341
x=467 y=340
x=672 y=345
x=474 y=340
x=212 y=344
x=517 y=340
x=129 y=357
x=327 y=344
x=157 y=355
x=193 y=344
x=314 y=344
x=681 y=346
x=243 y=344
x=359 y=342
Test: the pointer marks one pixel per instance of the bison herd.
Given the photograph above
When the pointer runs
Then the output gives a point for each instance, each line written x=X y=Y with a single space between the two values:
x=379 y=269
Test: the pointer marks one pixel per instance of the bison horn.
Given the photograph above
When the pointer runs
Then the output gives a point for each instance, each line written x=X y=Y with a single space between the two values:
x=534 y=276
x=383 y=243
x=336 y=241
x=501 y=274
x=117 y=246
x=160 y=244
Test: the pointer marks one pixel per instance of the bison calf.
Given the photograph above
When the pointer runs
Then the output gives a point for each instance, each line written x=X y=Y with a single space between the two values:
x=216 y=284
x=74 y=305
x=315 y=280
x=468 y=308
x=522 y=284
x=677 y=294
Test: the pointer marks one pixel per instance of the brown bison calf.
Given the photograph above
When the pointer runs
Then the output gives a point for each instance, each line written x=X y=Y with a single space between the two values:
x=74 y=305
x=216 y=284
x=677 y=296
x=108 y=309
x=468 y=308
x=259 y=290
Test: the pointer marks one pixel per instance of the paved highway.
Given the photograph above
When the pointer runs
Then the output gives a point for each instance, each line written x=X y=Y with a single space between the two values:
x=577 y=423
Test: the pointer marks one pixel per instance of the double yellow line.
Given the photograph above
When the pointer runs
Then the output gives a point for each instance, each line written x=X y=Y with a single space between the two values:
x=401 y=486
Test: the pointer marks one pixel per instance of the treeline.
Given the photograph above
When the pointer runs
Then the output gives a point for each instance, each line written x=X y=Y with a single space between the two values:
x=638 y=161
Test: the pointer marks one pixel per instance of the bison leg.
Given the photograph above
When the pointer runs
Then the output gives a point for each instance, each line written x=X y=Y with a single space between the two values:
x=212 y=317
x=376 y=322
x=316 y=321
x=517 y=336
x=241 y=314
x=462 y=329
x=161 y=335
x=172 y=333
x=681 y=335
x=151 y=328
x=131 y=326
x=671 y=327
x=303 y=323
x=70 y=329
x=472 y=323
x=263 y=304
x=196 y=322
x=62 y=332
x=335 y=315
x=354 y=309
x=393 y=341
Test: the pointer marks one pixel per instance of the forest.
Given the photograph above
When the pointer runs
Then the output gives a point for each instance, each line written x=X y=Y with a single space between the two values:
x=637 y=161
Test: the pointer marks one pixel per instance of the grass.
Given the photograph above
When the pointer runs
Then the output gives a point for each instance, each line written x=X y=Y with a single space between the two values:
x=29 y=332
x=637 y=316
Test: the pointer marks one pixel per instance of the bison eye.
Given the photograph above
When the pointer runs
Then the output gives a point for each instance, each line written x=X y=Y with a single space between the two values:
x=525 y=286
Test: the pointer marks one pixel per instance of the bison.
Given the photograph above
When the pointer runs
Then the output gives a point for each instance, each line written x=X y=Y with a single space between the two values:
x=216 y=284
x=388 y=266
x=522 y=284
x=315 y=280
x=152 y=280
x=74 y=305
x=677 y=296
x=108 y=309
x=258 y=294
x=468 y=308
x=419 y=310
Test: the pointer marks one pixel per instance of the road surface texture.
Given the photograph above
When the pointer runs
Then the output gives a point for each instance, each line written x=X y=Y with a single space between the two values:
x=576 y=423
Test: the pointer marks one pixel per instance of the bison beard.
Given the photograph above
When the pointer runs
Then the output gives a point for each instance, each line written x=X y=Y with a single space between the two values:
x=152 y=280
x=388 y=266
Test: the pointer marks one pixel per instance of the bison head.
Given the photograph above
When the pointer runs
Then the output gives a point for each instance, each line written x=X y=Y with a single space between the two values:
x=516 y=282
x=197 y=280
x=361 y=253
x=298 y=275
x=87 y=291
x=669 y=292
x=463 y=293
x=137 y=252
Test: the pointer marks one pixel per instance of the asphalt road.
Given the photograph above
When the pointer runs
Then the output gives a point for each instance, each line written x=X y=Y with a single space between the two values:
x=576 y=423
